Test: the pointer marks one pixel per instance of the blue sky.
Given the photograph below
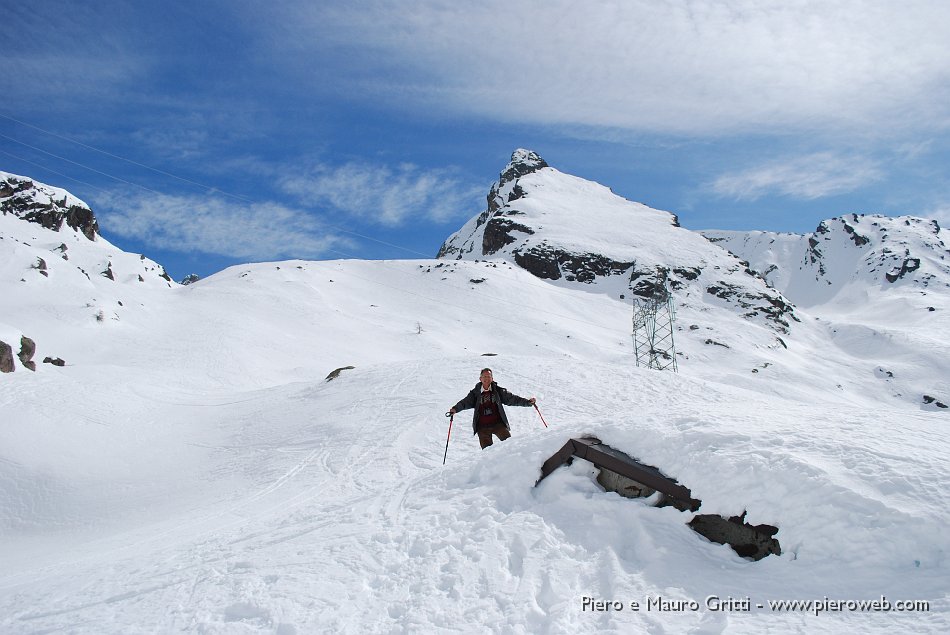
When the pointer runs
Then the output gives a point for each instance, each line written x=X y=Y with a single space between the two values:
x=206 y=134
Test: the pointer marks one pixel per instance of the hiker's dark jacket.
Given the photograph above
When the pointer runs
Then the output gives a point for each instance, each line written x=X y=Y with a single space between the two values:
x=500 y=397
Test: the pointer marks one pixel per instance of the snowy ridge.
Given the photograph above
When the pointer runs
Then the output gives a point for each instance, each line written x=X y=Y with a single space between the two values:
x=191 y=469
x=855 y=253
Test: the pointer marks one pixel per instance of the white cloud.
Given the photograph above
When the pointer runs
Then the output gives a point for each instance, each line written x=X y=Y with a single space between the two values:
x=941 y=214
x=255 y=231
x=387 y=195
x=681 y=67
x=807 y=177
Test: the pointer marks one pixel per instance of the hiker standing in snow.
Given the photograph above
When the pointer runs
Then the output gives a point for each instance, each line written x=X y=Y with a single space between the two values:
x=489 y=401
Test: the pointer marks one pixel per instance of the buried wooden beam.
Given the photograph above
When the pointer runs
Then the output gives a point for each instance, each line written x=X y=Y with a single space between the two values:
x=603 y=456
x=625 y=475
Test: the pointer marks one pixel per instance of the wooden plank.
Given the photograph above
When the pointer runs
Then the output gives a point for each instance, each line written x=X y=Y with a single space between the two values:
x=593 y=450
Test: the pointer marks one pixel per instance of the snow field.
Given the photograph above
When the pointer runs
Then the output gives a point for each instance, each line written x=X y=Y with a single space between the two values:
x=325 y=506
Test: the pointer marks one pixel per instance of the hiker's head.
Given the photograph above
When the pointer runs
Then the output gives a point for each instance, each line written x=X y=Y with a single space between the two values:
x=485 y=377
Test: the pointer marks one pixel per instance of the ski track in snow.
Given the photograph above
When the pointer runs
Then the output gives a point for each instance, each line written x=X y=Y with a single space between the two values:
x=339 y=517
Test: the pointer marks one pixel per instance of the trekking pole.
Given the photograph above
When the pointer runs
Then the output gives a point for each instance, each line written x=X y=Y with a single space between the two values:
x=451 y=418
x=541 y=415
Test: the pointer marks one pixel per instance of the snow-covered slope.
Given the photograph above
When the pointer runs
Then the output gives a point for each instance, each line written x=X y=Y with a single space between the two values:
x=847 y=258
x=61 y=282
x=567 y=229
x=880 y=286
x=190 y=468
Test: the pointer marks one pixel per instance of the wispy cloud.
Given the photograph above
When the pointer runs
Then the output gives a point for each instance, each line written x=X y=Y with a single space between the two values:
x=682 y=67
x=387 y=195
x=255 y=231
x=941 y=214
x=806 y=177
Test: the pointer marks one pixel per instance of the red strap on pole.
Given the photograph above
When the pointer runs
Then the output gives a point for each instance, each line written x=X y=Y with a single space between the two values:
x=541 y=415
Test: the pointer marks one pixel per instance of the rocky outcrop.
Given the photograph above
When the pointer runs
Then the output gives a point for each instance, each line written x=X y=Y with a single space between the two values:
x=552 y=263
x=6 y=358
x=523 y=162
x=27 y=350
x=928 y=400
x=336 y=373
x=47 y=206
x=907 y=266
x=55 y=362
x=499 y=232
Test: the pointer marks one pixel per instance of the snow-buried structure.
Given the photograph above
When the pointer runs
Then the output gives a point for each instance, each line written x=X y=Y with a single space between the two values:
x=625 y=475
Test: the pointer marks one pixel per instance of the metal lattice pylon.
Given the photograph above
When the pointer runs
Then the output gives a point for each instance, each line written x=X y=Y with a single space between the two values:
x=653 y=326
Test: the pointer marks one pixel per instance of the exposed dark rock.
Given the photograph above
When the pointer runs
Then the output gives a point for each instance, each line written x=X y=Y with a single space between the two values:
x=54 y=362
x=516 y=193
x=909 y=265
x=689 y=274
x=108 y=272
x=498 y=234
x=858 y=239
x=21 y=200
x=82 y=219
x=191 y=278
x=724 y=290
x=540 y=261
x=522 y=162
x=337 y=372
x=41 y=267
x=933 y=400
x=647 y=284
x=6 y=358
x=477 y=280
x=772 y=307
x=715 y=343
x=551 y=263
x=27 y=350
x=755 y=542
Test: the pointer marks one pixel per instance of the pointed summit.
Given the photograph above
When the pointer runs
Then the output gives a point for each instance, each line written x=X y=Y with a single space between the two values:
x=522 y=162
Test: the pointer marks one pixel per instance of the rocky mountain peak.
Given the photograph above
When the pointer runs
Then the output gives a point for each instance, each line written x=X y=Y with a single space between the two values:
x=573 y=231
x=45 y=205
x=523 y=162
